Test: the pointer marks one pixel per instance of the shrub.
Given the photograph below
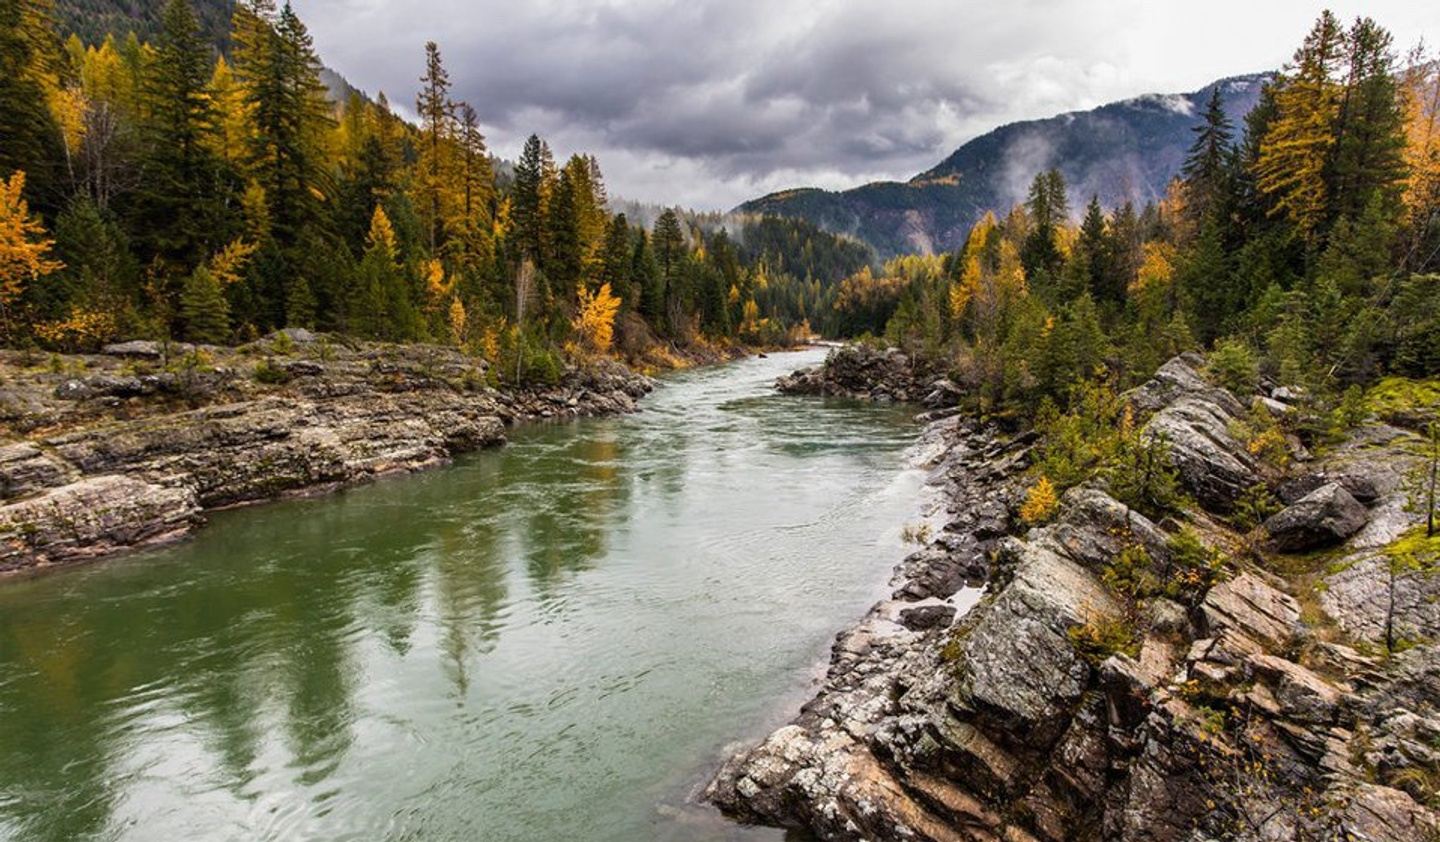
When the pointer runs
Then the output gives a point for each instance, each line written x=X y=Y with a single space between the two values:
x=1234 y=366
x=1253 y=507
x=1040 y=502
x=1131 y=573
x=266 y=371
x=1100 y=637
x=1192 y=567
x=1140 y=473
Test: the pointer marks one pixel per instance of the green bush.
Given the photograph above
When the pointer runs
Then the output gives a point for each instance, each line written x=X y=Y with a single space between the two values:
x=266 y=371
x=1101 y=637
x=1234 y=366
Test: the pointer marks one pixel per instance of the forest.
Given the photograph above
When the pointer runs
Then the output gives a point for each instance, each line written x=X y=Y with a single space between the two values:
x=1302 y=246
x=172 y=189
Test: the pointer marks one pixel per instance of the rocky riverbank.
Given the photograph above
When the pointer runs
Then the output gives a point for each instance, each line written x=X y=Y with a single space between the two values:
x=107 y=452
x=1257 y=703
x=866 y=373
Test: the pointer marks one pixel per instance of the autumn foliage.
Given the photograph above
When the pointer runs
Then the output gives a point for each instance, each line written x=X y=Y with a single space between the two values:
x=24 y=247
x=594 y=323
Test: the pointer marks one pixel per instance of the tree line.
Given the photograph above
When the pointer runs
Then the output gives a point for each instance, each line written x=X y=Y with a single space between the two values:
x=164 y=189
x=1302 y=245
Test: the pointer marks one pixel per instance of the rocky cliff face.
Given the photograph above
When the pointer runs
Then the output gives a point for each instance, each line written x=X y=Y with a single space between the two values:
x=103 y=453
x=1230 y=713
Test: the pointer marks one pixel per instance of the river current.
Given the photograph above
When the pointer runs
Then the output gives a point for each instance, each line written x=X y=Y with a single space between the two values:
x=549 y=641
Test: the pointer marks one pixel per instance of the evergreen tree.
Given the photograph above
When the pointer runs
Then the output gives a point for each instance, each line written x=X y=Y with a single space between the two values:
x=476 y=177
x=669 y=245
x=527 y=210
x=180 y=212
x=381 y=305
x=1206 y=283
x=567 y=263
x=29 y=137
x=648 y=279
x=1369 y=153
x=1093 y=248
x=1206 y=171
x=203 y=309
x=278 y=70
x=1048 y=207
x=436 y=118
x=616 y=261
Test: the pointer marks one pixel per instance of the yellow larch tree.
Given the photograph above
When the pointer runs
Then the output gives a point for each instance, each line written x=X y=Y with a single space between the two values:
x=1296 y=149
x=1421 y=93
x=24 y=248
x=595 y=320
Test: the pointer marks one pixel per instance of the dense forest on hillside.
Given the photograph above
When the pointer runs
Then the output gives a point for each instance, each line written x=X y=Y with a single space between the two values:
x=163 y=189
x=1300 y=245
x=92 y=20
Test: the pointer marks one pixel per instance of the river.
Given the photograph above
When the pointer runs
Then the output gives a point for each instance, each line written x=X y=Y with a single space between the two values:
x=549 y=641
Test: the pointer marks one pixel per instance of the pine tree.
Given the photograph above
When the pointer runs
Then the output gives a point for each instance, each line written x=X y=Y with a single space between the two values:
x=181 y=207
x=567 y=262
x=437 y=117
x=1048 y=207
x=669 y=245
x=381 y=304
x=203 y=309
x=1369 y=154
x=299 y=303
x=29 y=137
x=527 y=211
x=1093 y=248
x=615 y=260
x=278 y=70
x=648 y=279
x=1206 y=170
x=476 y=178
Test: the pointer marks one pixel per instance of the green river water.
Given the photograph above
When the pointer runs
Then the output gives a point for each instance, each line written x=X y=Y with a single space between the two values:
x=549 y=641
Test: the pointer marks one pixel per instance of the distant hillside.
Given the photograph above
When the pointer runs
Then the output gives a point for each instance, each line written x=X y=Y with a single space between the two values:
x=1125 y=150
x=92 y=20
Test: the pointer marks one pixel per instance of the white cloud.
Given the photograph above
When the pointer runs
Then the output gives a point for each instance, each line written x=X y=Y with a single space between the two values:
x=709 y=103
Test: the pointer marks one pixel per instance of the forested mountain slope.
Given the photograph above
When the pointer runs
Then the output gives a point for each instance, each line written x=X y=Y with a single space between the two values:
x=92 y=20
x=1127 y=150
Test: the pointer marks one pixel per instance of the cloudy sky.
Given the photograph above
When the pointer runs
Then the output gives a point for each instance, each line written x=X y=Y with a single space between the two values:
x=707 y=104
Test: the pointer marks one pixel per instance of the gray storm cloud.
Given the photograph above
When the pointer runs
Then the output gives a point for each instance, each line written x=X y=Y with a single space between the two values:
x=710 y=103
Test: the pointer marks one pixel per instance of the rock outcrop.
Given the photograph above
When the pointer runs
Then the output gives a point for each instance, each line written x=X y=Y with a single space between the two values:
x=107 y=454
x=1059 y=708
x=1323 y=518
x=1195 y=418
x=859 y=371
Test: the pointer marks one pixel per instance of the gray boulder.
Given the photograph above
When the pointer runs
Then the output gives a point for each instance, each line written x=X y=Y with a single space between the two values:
x=1322 y=518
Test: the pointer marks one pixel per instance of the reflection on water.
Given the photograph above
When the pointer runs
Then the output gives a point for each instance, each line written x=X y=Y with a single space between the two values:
x=549 y=641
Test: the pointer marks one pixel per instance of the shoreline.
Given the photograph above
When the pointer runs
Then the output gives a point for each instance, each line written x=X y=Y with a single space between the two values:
x=104 y=455
x=941 y=721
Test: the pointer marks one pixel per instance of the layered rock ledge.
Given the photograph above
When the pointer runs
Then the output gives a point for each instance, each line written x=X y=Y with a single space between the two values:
x=1233 y=712
x=107 y=452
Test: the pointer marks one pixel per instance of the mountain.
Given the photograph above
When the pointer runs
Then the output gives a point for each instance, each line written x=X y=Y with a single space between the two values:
x=1124 y=150
x=92 y=20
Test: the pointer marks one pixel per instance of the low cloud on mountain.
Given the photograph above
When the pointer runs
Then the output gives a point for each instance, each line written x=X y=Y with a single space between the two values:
x=710 y=103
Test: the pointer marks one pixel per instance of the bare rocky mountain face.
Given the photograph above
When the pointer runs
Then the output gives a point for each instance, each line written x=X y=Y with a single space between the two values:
x=1262 y=708
x=107 y=452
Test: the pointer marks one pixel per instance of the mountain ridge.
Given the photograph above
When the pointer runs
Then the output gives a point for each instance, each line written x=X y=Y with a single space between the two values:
x=1125 y=150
